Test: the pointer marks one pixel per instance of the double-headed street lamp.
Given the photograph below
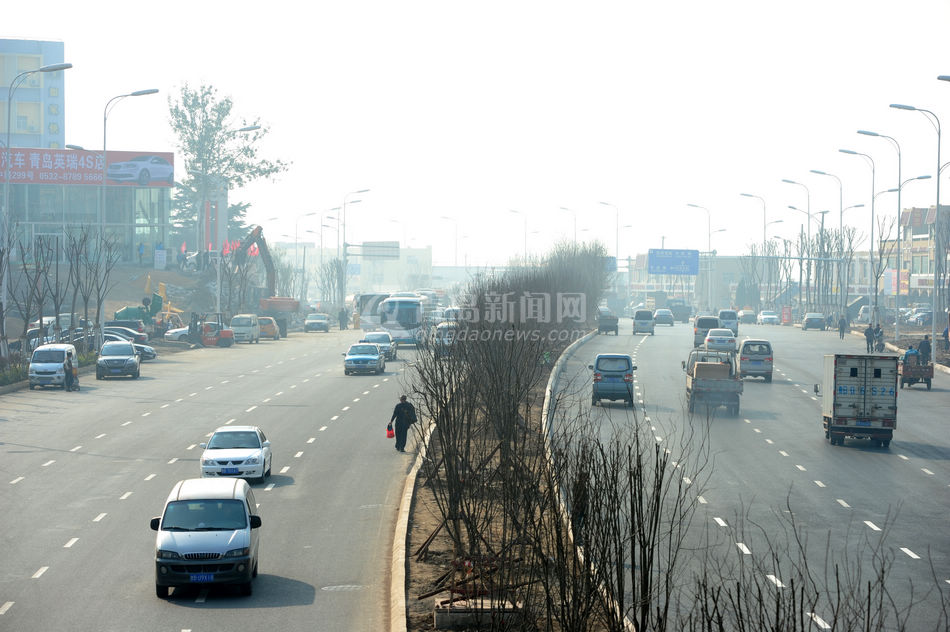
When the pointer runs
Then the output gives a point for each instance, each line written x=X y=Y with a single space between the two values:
x=344 y=265
x=6 y=241
x=808 y=245
x=876 y=316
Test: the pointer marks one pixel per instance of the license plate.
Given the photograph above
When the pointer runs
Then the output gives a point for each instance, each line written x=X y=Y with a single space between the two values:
x=201 y=578
x=45 y=380
x=863 y=422
x=229 y=470
x=756 y=362
x=117 y=370
x=611 y=379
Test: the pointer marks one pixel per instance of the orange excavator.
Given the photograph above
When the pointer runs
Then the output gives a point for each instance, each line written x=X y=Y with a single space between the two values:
x=280 y=308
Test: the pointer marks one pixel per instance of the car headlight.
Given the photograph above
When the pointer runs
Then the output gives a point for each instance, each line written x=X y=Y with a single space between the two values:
x=130 y=361
x=165 y=554
x=207 y=460
x=238 y=552
x=252 y=460
x=101 y=361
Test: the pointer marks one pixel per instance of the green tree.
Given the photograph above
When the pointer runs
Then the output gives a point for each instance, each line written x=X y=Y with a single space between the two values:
x=216 y=153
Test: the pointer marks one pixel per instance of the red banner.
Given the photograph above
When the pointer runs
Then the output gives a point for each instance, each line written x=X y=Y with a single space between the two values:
x=73 y=166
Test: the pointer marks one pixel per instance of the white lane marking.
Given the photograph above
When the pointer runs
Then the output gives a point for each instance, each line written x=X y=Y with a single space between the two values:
x=192 y=446
x=270 y=487
x=266 y=399
x=192 y=394
x=818 y=621
x=149 y=477
x=640 y=401
x=775 y=580
x=687 y=480
x=173 y=460
x=312 y=439
x=365 y=392
x=40 y=572
x=819 y=484
x=99 y=436
x=278 y=393
x=16 y=480
x=334 y=418
x=48 y=463
x=250 y=409
x=306 y=379
x=345 y=408
x=293 y=386
x=240 y=376
x=742 y=547
x=298 y=455
x=843 y=503
x=100 y=517
x=769 y=441
x=646 y=419
x=356 y=400
x=70 y=543
x=127 y=423
x=208 y=388
x=178 y=400
x=801 y=467
x=901 y=456
x=225 y=381
x=872 y=526
x=316 y=375
x=814 y=398
x=322 y=428
x=227 y=423
x=719 y=521
x=926 y=471
x=125 y=495
x=702 y=501
x=910 y=553
x=747 y=421
x=658 y=438
x=6 y=606
x=757 y=430
x=77 y=448
x=385 y=379
x=804 y=391
x=783 y=452
x=284 y=469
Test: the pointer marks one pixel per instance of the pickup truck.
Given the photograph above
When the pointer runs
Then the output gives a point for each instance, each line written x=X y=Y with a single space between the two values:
x=712 y=380
x=859 y=397
x=606 y=321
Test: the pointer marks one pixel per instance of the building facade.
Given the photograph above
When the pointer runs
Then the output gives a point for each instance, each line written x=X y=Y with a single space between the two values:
x=37 y=113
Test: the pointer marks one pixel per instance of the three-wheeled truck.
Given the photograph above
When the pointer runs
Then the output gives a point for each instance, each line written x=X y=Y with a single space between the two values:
x=859 y=397
x=912 y=371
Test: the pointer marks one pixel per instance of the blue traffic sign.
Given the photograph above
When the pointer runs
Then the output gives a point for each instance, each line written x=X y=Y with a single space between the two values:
x=661 y=261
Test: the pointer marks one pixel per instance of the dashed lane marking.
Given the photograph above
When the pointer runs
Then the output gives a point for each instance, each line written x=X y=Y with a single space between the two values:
x=48 y=463
x=127 y=423
x=742 y=547
x=783 y=452
x=720 y=521
x=270 y=487
x=40 y=572
x=775 y=580
x=312 y=439
x=149 y=477
x=819 y=484
x=872 y=526
x=192 y=446
x=250 y=409
x=702 y=501
x=125 y=495
x=333 y=418
x=345 y=408
x=926 y=471
x=100 y=517
x=298 y=455
x=910 y=553
x=70 y=543
x=6 y=606
x=173 y=461
x=76 y=449
x=818 y=621
x=843 y=503
x=901 y=456
x=801 y=467
x=284 y=469
x=16 y=480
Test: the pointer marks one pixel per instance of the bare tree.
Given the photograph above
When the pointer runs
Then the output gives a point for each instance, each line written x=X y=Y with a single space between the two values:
x=885 y=250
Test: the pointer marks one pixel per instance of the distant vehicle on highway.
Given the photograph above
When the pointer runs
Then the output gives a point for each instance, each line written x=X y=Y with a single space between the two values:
x=663 y=316
x=755 y=359
x=814 y=320
x=701 y=327
x=384 y=340
x=402 y=316
x=237 y=451
x=269 y=328
x=729 y=319
x=643 y=322
x=747 y=316
x=117 y=359
x=767 y=317
x=364 y=357
x=207 y=520
x=607 y=322
x=316 y=322
x=720 y=339
x=613 y=378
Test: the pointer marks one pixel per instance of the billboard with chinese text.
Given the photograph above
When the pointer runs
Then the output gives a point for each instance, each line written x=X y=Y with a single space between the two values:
x=74 y=166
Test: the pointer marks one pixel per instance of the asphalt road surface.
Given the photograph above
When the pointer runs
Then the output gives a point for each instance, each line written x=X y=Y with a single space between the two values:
x=82 y=473
x=775 y=456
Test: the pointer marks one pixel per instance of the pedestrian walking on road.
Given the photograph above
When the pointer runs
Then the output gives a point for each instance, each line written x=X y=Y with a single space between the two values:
x=869 y=338
x=342 y=317
x=924 y=349
x=404 y=414
x=842 y=327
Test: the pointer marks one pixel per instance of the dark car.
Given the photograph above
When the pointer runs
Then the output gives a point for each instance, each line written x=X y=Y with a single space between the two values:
x=813 y=320
x=385 y=341
x=663 y=316
x=117 y=359
x=613 y=378
x=606 y=321
x=133 y=335
x=136 y=325
x=145 y=351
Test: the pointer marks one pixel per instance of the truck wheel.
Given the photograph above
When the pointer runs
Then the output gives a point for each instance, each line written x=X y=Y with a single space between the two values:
x=928 y=384
x=691 y=406
x=768 y=378
x=593 y=401
x=886 y=443
x=902 y=383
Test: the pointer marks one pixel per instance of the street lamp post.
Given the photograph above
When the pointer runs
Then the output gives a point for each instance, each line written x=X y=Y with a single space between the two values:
x=456 y=222
x=761 y=199
x=876 y=316
x=574 y=213
x=6 y=241
x=807 y=253
x=344 y=262
x=940 y=260
x=708 y=254
x=808 y=245
x=617 y=241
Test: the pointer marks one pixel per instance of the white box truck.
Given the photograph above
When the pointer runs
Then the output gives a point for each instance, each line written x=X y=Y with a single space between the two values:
x=859 y=397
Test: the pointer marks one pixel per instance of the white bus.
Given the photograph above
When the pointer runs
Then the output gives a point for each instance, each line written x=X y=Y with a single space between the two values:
x=402 y=317
x=367 y=306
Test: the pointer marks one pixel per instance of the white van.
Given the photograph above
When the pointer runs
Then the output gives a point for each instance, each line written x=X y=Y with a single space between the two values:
x=246 y=328
x=207 y=534
x=47 y=365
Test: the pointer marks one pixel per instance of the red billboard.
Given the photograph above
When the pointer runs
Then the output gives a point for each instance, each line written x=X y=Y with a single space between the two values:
x=74 y=166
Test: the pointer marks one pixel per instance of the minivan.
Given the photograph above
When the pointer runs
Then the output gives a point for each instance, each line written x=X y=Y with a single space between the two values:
x=246 y=328
x=729 y=319
x=613 y=378
x=701 y=327
x=47 y=365
x=755 y=359
x=207 y=534
x=643 y=322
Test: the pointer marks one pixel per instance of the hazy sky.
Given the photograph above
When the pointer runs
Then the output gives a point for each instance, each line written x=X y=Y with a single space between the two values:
x=471 y=109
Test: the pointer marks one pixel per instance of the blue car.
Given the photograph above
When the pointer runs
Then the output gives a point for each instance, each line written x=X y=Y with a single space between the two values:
x=613 y=378
x=364 y=357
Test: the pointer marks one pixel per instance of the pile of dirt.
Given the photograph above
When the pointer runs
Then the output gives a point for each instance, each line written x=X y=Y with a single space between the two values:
x=132 y=283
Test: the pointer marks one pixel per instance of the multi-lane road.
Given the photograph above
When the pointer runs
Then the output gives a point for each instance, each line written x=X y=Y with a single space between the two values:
x=82 y=473
x=775 y=456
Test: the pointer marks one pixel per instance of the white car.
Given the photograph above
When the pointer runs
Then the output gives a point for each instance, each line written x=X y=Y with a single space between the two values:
x=237 y=452
x=142 y=170
x=766 y=317
x=720 y=340
x=179 y=334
